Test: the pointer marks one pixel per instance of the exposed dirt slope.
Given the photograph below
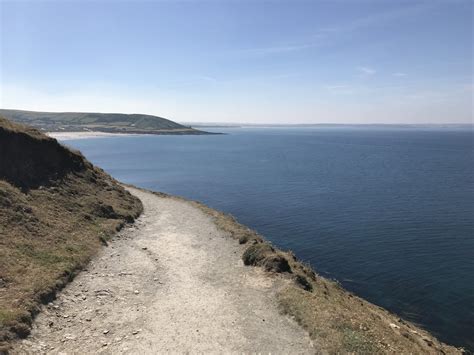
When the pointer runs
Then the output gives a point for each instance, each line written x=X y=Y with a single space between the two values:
x=56 y=210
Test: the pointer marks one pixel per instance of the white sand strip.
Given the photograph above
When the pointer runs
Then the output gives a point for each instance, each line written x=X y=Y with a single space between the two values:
x=63 y=136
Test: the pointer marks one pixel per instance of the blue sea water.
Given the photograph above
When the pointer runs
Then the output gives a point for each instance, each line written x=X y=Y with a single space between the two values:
x=387 y=212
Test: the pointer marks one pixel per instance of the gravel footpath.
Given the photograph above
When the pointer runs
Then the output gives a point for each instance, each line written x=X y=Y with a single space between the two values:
x=171 y=282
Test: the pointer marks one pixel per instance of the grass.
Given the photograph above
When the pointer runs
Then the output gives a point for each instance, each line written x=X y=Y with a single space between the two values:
x=50 y=224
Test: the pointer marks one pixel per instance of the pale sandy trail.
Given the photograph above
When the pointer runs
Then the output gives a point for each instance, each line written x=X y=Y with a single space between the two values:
x=172 y=282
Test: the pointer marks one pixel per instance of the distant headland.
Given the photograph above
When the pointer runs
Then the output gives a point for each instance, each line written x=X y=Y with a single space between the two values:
x=99 y=122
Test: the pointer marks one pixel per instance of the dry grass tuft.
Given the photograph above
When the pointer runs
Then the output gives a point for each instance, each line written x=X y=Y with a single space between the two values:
x=263 y=254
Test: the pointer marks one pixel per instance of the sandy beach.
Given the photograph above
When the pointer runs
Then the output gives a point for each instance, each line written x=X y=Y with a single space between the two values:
x=63 y=136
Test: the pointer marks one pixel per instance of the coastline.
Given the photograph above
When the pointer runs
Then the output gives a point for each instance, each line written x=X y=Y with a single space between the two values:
x=76 y=214
x=74 y=135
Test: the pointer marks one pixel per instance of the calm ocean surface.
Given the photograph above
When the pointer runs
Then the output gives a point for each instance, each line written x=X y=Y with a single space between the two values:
x=387 y=212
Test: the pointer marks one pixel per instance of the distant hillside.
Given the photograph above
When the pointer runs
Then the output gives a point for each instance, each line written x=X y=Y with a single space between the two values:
x=102 y=122
x=56 y=210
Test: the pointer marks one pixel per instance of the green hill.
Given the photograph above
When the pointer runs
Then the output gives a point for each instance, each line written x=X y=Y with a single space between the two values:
x=102 y=122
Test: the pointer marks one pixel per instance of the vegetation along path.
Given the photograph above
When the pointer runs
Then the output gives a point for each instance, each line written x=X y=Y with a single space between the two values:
x=172 y=282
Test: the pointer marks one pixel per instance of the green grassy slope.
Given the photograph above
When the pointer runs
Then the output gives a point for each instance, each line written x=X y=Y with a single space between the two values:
x=107 y=122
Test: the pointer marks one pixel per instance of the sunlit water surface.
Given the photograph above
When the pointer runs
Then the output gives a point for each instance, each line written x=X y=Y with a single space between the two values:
x=387 y=212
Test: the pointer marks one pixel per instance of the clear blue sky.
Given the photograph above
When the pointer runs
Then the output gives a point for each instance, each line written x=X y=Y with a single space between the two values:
x=242 y=61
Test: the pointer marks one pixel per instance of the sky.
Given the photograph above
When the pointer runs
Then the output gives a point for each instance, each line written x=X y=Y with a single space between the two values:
x=247 y=61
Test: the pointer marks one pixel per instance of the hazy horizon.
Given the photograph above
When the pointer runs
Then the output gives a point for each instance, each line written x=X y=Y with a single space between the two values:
x=261 y=62
x=244 y=123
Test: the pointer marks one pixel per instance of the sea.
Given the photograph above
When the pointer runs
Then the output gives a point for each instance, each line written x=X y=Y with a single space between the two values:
x=387 y=212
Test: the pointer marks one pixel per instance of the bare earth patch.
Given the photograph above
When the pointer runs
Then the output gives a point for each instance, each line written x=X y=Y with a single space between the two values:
x=173 y=282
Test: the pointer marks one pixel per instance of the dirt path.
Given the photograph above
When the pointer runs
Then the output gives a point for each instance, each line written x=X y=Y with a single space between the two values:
x=171 y=282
